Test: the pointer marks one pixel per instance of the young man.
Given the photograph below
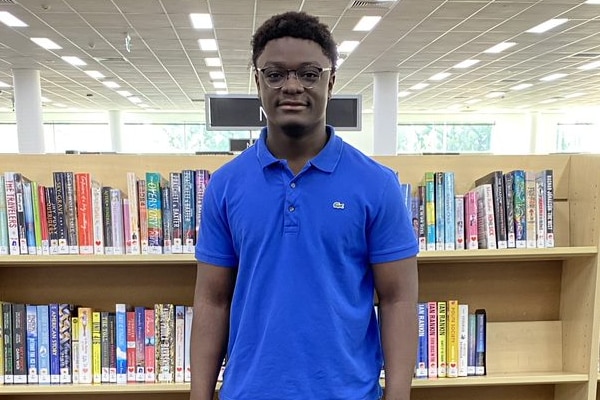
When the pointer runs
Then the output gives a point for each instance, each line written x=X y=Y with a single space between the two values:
x=297 y=233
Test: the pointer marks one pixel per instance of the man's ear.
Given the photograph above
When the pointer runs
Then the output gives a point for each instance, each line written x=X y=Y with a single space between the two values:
x=330 y=86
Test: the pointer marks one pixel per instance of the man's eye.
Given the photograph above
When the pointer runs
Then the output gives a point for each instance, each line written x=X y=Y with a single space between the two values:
x=309 y=74
x=273 y=74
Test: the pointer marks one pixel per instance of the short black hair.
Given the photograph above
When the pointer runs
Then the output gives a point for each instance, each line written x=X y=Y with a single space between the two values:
x=298 y=25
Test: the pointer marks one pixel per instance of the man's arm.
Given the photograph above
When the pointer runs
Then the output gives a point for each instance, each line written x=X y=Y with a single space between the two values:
x=210 y=327
x=397 y=284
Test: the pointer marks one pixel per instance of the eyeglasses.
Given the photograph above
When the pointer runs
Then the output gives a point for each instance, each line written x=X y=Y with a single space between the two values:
x=307 y=76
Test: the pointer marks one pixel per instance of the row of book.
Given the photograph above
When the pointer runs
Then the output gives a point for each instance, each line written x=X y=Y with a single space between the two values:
x=78 y=215
x=452 y=340
x=503 y=210
x=63 y=344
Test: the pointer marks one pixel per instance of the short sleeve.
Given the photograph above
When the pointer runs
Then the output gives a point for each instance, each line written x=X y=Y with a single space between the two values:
x=214 y=244
x=390 y=233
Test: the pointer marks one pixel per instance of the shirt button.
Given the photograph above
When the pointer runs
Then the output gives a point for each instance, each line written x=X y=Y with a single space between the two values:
x=293 y=185
x=291 y=208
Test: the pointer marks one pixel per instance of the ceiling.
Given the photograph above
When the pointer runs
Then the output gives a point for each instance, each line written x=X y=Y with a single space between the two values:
x=164 y=66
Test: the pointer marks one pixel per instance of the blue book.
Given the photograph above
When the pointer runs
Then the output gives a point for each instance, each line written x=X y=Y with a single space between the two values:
x=440 y=212
x=421 y=370
x=43 y=327
x=188 y=210
x=449 y=216
x=32 y=343
x=121 y=342
x=54 y=344
x=480 y=344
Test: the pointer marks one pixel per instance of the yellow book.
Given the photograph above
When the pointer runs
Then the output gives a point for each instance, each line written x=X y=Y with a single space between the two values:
x=75 y=348
x=452 y=339
x=96 y=348
x=442 y=371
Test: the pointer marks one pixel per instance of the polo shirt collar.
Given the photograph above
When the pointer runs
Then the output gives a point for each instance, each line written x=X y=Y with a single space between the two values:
x=326 y=160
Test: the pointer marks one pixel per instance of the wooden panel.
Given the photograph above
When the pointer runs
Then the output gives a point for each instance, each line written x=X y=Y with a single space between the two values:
x=101 y=286
x=509 y=291
x=514 y=347
x=540 y=392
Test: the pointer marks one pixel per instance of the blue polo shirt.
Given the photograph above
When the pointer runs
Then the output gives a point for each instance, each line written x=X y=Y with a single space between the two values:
x=302 y=322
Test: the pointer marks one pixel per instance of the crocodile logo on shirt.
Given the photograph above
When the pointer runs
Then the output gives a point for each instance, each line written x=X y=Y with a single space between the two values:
x=338 y=205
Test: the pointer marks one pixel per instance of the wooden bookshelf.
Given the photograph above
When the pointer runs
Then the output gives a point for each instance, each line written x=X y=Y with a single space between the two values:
x=543 y=305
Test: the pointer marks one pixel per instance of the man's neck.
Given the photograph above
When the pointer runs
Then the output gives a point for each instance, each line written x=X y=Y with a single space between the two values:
x=297 y=149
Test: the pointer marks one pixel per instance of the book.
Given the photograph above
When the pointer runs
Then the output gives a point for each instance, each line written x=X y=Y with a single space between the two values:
x=97 y=215
x=71 y=212
x=440 y=213
x=65 y=314
x=75 y=372
x=32 y=343
x=121 y=342
x=422 y=353
x=85 y=218
x=176 y=217
x=11 y=214
x=547 y=177
x=486 y=230
x=154 y=182
x=61 y=224
x=432 y=331
x=19 y=339
x=430 y=213
x=452 y=353
x=449 y=212
x=1 y=338
x=85 y=315
x=496 y=180
x=519 y=208
x=509 y=194
x=188 y=214
x=189 y=316
x=7 y=350
x=131 y=350
x=459 y=226
x=4 y=242
x=54 y=321
x=140 y=350
x=132 y=241
x=481 y=341
x=531 y=206
x=96 y=347
x=471 y=221
x=149 y=345
x=463 y=339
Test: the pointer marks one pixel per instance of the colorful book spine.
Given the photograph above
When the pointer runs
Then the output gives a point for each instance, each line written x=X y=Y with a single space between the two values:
x=98 y=226
x=22 y=227
x=29 y=218
x=54 y=320
x=43 y=326
x=165 y=345
x=32 y=343
x=11 y=213
x=531 y=206
x=131 y=351
x=463 y=339
x=85 y=217
x=509 y=202
x=65 y=314
x=481 y=342
x=486 y=230
x=422 y=221
x=104 y=347
x=121 y=342
x=112 y=347
x=143 y=209
x=459 y=227
x=496 y=181
x=179 y=343
x=96 y=347
x=118 y=231
x=75 y=372
x=442 y=349
x=71 y=213
x=519 y=208
x=422 y=354
x=61 y=227
x=4 y=241
x=38 y=217
x=188 y=201
x=167 y=219
x=432 y=331
x=107 y=221
x=43 y=209
x=132 y=241
x=540 y=210
x=189 y=316
x=8 y=343
x=430 y=213
x=85 y=344
x=140 y=351
x=452 y=339
x=52 y=219
x=440 y=210
x=176 y=217
x=1 y=341
x=202 y=178
x=548 y=178
x=19 y=319
x=449 y=212
x=472 y=345
x=149 y=345
x=154 y=181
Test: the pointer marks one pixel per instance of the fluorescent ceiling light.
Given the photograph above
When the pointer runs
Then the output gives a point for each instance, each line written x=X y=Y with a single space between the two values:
x=472 y=101
x=466 y=64
x=500 y=47
x=10 y=20
x=95 y=74
x=440 y=77
x=591 y=65
x=74 y=60
x=212 y=62
x=493 y=95
x=2 y=84
x=573 y=95
x=216 y=75
x=111 y=84
x=220 y=85
x=546 y=26
x=339 y=61
x=124 y=93
x=134 y=99
x=45 y=43
x=404 y=93
x=592 y=2
x=366 y=23
x=347 y=46
x=419 y=86
x=46 y=100
x=522 y=86
x=552 y=77
x=208 y=44
x=201 y=21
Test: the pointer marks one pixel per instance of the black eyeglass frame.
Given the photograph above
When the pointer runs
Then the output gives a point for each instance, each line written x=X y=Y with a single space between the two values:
x=295 y=71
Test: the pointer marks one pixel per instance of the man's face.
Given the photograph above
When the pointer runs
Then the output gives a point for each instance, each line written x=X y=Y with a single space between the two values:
x=293 y=106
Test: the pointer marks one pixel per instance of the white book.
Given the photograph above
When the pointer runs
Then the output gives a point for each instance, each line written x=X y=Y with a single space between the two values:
x=179 y=344
x=486 y=229
x=85 y=344
x=463 y=339
x=189 y=315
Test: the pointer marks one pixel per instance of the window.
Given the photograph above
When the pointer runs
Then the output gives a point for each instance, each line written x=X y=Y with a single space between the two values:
x=577 y=137
x=60 y=137
x=444 y=138
x=9 y=140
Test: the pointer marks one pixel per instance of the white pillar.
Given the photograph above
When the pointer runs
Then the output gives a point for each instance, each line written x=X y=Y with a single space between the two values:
x=28 y=110
x=114 y=122
x=385 y=113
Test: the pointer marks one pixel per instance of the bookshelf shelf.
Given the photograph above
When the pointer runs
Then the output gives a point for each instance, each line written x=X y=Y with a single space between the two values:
x=503 y=379
x=543 y=305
